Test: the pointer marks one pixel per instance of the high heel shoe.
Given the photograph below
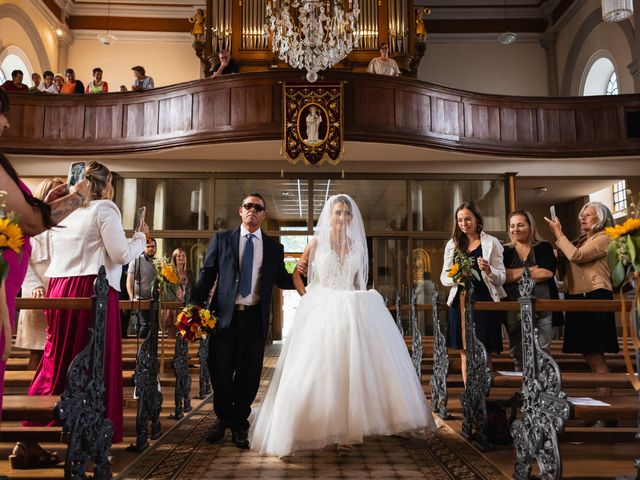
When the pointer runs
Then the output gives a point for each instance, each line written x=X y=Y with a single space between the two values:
x=21 y=459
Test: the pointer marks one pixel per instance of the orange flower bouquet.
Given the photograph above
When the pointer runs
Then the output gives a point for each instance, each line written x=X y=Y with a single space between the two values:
x=194 y=323
x=167 y=275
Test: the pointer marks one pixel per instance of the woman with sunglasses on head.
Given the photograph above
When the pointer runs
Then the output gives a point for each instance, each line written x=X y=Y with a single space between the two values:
x=527 y=247
x=585 y=271
x=468 y=239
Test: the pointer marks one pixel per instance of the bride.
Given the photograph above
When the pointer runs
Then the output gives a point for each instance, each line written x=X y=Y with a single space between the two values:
x=344 y=372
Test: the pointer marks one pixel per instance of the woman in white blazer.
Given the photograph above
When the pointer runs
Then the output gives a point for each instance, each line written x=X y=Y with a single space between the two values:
x=486 y=251
x=88 y=238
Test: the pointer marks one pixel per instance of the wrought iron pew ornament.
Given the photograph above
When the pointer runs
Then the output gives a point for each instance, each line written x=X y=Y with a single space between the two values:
x=147 y=385
x=438 y=383
x=473 y=399
x=545 y=408
x=81 y=406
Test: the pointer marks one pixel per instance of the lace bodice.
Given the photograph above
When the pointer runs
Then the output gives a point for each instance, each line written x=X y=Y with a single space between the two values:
x=333 y=273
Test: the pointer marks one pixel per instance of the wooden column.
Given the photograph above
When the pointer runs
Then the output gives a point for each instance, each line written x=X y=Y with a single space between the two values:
x=510 y=191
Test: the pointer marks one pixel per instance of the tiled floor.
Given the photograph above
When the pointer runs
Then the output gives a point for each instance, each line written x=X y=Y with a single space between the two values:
x=184 y=454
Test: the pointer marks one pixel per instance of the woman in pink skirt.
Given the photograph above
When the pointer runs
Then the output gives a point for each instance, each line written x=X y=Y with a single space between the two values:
x=89 y=237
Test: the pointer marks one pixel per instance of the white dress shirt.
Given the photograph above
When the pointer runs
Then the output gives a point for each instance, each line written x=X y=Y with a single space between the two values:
x=254 y=296
x=91 y=237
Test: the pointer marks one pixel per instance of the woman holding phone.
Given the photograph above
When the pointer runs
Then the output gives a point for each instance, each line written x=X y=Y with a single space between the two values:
x=585 y=271
x=35 y=216
x=89 y=238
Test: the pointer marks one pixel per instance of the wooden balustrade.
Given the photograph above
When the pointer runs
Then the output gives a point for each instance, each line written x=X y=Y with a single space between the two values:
x=248 y=106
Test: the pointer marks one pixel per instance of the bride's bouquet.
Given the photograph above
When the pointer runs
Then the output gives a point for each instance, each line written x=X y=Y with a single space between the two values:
x=462 y=270
x=195 y=322
x=10 y=234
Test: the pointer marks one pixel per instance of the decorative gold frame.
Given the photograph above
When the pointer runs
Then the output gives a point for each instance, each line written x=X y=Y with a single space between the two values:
x=329 y=100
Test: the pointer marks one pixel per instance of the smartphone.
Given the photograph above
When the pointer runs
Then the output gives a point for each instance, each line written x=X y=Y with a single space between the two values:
x=76 y=173
x=139 y=216
x=552 y=211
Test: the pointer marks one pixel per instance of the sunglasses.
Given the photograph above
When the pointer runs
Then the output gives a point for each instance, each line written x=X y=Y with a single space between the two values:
x=256 y=206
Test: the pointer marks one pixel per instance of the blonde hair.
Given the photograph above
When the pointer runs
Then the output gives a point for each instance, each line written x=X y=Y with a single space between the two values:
x=174 y=257
x=534 y=236
x=99 y=178
x=46 y=186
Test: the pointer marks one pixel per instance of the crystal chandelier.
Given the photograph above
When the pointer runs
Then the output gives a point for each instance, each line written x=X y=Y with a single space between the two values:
x=312 y=34
x=616 y=10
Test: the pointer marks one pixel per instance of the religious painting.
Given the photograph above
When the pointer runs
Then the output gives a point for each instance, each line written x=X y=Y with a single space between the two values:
x=312 y=123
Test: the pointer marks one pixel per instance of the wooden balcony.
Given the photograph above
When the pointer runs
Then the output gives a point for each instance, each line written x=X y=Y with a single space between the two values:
x=248 y=106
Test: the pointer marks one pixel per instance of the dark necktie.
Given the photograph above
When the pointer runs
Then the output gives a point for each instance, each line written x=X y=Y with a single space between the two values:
x=246 y=269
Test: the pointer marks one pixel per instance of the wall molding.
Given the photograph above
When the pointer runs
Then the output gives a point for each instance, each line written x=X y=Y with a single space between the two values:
x=21 y=18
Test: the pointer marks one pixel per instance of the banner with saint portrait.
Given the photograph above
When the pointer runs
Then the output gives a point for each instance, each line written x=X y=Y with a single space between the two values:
x=312 y=123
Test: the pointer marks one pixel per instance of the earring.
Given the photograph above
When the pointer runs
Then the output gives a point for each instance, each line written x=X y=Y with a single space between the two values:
x=479 y=227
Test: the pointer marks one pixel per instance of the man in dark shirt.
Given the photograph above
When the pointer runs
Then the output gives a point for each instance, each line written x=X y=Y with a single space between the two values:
x=15 y=84
x=227 y=64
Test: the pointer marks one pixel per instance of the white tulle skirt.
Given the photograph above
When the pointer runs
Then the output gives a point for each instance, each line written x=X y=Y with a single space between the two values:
x=344 y=373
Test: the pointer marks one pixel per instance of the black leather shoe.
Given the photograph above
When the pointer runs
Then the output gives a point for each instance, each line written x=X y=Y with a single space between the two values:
x=240 y=438
x=217 y=432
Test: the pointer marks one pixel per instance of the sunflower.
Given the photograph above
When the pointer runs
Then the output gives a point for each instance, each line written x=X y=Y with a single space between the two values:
x=10 y=235
x=169 y=274
x=630 y=226
x=453 y=271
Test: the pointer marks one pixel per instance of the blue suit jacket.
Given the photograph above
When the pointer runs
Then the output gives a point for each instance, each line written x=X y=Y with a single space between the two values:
x=222 y=263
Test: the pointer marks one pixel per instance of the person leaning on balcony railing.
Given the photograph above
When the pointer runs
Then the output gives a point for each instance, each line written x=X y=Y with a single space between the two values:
x=15 y=85
x=384 y=65
x=48 y=85
x=227 y=64
x=72 y=85
x=142 y=80
x=583 y=264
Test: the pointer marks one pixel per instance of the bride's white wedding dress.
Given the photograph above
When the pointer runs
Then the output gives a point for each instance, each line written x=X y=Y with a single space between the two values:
x=344 y=372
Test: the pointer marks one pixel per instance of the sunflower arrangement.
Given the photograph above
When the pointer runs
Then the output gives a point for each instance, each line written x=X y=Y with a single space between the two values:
x=462 y=270
x=11 y=237
x=623 y=254
x=194 y=323
x=167 y=275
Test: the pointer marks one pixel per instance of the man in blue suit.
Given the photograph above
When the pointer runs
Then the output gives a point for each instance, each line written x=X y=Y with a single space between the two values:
x=246 y=264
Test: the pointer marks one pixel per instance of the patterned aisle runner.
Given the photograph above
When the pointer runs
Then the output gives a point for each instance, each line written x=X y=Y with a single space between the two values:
x=183 y=453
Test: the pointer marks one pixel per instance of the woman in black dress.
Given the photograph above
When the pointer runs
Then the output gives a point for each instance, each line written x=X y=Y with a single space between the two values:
x=469 y=239
x=587 y=277
x=526 y=246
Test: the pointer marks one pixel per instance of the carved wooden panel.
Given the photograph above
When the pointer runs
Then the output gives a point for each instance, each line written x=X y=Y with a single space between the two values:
x=413 y=111
x=175 y=114
x=211 y=109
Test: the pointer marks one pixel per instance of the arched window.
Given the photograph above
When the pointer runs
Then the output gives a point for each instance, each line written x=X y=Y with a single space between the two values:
x=600 y=77
x=612 y=85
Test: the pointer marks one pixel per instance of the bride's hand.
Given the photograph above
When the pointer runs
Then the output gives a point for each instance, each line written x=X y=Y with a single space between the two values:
x=302 y=267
